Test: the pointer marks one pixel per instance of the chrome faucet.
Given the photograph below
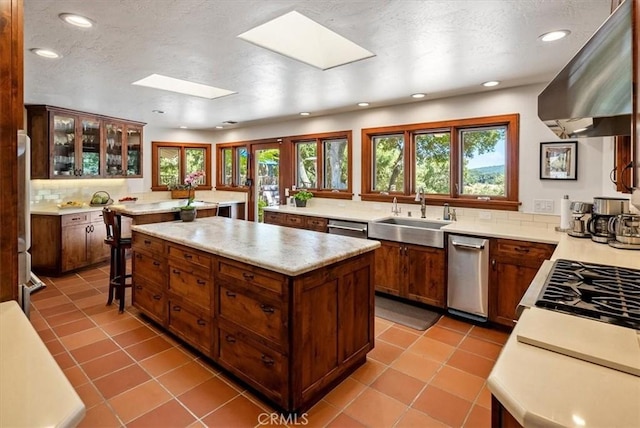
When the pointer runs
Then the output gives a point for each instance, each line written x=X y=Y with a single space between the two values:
x=395 y=209
x=420 y=198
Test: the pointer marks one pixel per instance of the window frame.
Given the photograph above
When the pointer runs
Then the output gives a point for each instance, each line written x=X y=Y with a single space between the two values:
x=155 y=163
x=320 y=190
x=235 y=166
x=407 y=194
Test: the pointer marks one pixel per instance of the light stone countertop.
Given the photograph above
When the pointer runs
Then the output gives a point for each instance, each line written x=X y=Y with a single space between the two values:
x=34 y=392
x=281 y=249
x=135 y=208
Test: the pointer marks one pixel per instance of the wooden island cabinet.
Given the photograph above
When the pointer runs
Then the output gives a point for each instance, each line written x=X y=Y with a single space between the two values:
x=291 y=319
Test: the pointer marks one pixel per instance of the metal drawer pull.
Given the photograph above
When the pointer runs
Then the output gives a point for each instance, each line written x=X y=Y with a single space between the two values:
x=202 y=322
x=188 y=256
x=522 y=250
x=267 y=309
x=156 y=263
x=230 y=338
x=230 y=293
x=147 y=242
x=176 y=271
x=201 y=282
x=76 y=218
x=177 y=308
x=267 y=361
x=157 y=297
x=354 y=229
x=138 y=287
x=469 y=246
x=247 y=275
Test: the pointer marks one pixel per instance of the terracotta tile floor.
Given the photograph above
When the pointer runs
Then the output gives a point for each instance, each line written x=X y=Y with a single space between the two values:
x=129 y=373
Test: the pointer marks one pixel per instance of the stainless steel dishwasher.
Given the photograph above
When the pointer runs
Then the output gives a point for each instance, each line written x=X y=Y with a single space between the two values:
x=468 y=277
x=348 y=228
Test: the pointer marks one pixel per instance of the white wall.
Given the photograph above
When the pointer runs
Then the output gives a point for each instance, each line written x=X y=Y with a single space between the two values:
x=595 y=155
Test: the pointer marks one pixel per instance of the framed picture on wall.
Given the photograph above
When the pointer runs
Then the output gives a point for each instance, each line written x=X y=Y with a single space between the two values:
x=559 y=160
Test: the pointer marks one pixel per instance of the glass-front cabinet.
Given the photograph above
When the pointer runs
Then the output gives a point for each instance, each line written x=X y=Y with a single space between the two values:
x=71 y=144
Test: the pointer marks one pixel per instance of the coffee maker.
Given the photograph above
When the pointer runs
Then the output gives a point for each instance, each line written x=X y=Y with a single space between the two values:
x=604 y=209
x=578 y=210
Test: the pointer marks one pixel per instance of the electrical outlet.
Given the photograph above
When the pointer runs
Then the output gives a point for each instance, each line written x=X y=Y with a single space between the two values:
x=543 y=206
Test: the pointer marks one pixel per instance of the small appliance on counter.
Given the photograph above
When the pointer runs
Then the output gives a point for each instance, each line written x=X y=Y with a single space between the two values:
x=625 y=229
x=604 y=209
x=578 y=210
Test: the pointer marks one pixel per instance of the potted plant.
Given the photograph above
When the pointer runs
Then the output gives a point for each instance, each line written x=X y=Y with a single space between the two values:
x=301 y=198
x=188 y=211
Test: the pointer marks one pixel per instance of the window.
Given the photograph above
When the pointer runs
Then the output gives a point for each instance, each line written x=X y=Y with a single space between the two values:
x=468 y=162
x=322 y=162
x=232 y=165
x=173 y=161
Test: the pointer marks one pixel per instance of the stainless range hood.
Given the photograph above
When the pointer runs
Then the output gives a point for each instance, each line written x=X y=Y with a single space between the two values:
x=591 y=96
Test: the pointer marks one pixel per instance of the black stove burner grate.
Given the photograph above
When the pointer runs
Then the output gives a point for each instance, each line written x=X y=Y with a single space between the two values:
x=605 y=293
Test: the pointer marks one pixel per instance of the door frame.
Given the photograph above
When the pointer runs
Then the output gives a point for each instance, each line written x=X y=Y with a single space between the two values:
x=252 y=173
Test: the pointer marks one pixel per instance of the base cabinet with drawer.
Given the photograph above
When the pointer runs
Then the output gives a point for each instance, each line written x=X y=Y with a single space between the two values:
x=298 y=221
x=514 y=264
x=63 y=243
x=291 y=339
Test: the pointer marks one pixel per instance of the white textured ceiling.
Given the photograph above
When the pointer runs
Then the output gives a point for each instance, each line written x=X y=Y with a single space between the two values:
x=442 y=48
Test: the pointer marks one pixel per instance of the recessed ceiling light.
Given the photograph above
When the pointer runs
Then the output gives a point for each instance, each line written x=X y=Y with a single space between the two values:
x=363 y=104
x=183 y=127
x=180 y=86
x=552 y=36
x=305 y=113
x=313 y=43
x=219 y=127
x=418 y=95
x=77 y=20
x=157 y=111
x=45 y=53
x=491 y=83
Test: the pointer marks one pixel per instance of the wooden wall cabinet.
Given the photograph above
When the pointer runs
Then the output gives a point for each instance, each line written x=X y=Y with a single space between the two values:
x=68 y=242
x=411 y=271
x=514 y=264
x=72 y=144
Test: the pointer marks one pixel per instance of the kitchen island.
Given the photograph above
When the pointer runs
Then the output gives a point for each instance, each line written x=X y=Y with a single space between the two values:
x=157 y=212
x=289 y=312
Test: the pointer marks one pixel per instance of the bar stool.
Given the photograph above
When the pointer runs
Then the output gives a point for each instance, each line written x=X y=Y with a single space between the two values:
x=118 y=267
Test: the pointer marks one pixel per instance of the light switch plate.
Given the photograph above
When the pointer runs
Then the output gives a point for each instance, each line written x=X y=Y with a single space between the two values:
x=543 y=206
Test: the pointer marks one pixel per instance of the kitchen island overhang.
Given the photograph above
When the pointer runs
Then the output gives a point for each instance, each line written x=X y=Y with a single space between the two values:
x=289 y=312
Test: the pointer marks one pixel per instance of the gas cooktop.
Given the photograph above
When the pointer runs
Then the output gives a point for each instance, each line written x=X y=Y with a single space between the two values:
x=608 y=294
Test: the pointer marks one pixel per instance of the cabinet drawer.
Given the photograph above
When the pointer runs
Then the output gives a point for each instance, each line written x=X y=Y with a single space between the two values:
x=97 y=216
x=191 y=284
x=191 y=256
x=150 y=300
x=273 y=218
x=263 y=318
x=251 y=276
x=71 y=219
x=250 y=360
x=292 y=220
x=149 y=268
x=192 y=325
x=317 y=224
x=506 y=247
x=142 y=242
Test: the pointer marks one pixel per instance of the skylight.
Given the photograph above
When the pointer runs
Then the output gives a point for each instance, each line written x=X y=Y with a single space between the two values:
x=180 y=86
x=300 y=38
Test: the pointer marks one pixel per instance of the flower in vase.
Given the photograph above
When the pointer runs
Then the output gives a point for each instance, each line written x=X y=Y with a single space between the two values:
x=190 y=183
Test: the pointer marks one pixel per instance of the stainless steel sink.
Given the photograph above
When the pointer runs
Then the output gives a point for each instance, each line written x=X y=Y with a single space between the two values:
x=409 y=231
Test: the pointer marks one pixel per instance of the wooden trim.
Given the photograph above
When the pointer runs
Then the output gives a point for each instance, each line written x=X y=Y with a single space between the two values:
x=621 y=173
x=156 y=145
x=635 y=95
x=11 y=120
x=62 y=110
x=510 y=202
